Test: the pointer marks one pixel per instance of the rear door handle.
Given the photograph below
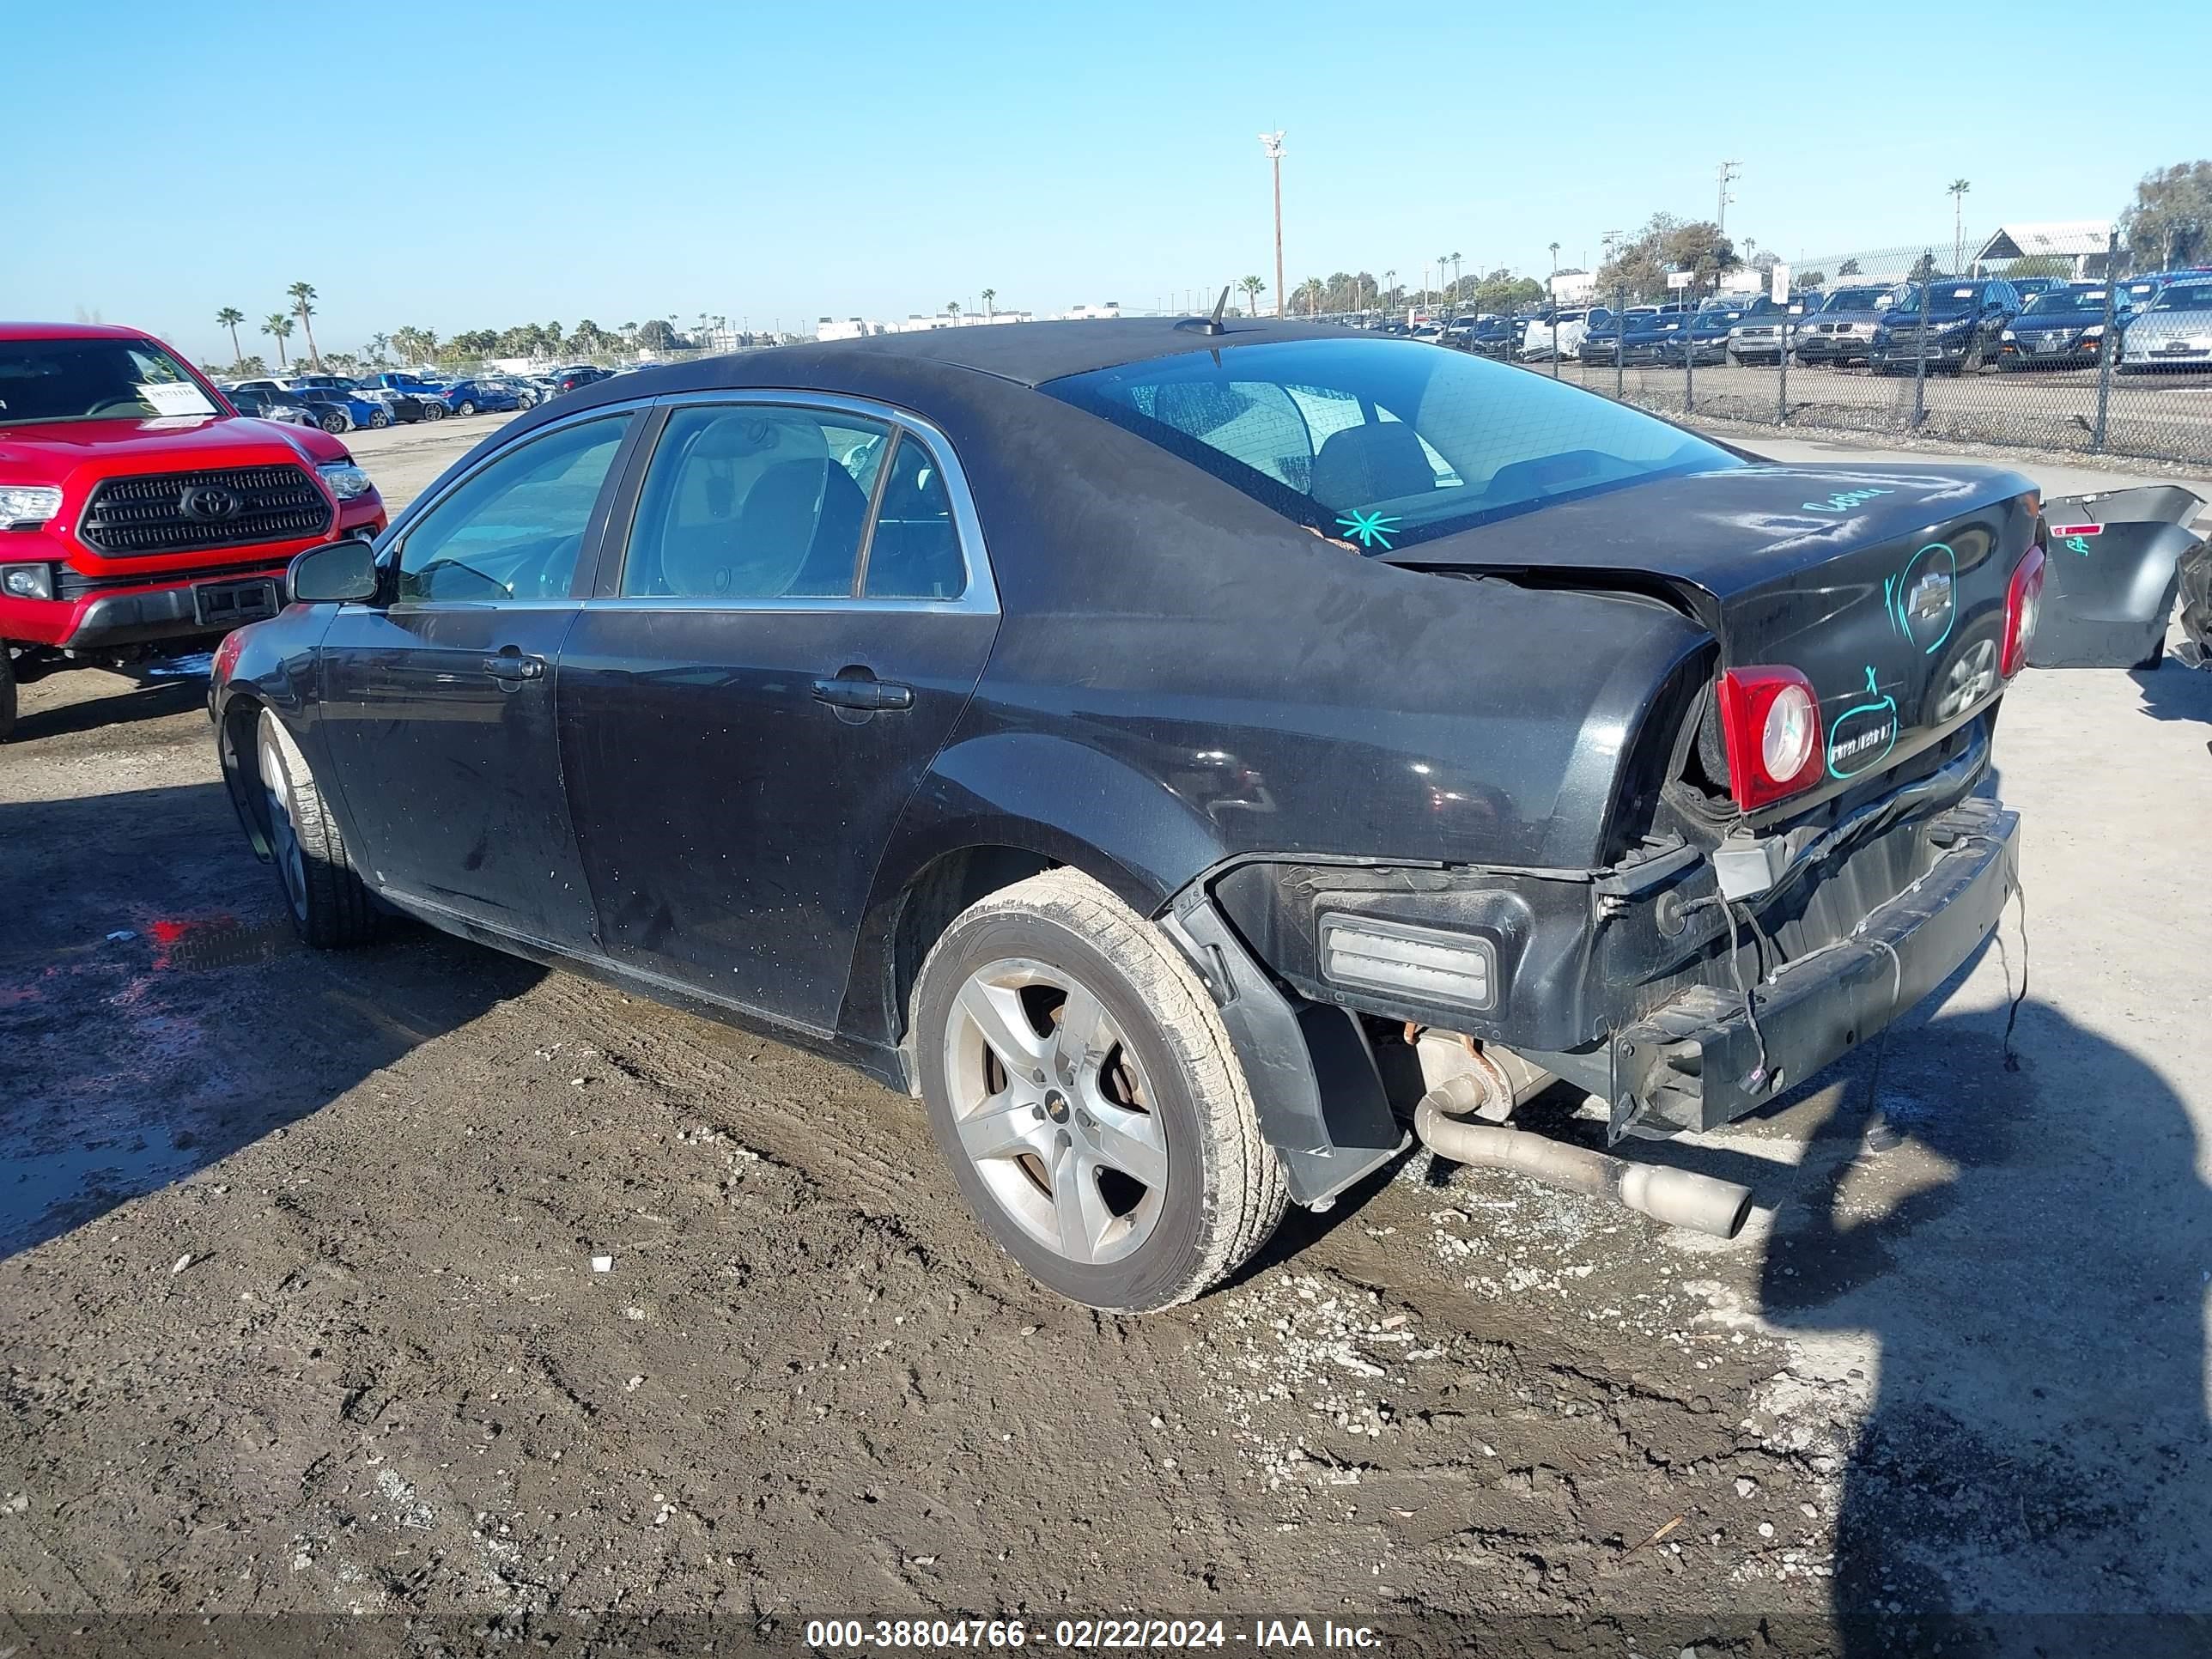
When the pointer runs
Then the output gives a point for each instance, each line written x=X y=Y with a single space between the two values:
x=866 y=695
x=513 y=670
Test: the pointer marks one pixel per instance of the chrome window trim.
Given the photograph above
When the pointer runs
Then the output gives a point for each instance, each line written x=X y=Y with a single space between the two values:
x=981 y=597
x=403 y=525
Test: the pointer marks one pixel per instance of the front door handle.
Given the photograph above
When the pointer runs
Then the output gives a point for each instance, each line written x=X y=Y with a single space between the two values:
x=509 y=668
x=866 y=695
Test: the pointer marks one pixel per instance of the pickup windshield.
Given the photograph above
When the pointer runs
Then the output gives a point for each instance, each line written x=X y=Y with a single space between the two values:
x=94 y=380
x=1381 y=444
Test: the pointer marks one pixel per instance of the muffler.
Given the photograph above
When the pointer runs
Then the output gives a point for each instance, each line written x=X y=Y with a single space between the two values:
x=1674 y=1196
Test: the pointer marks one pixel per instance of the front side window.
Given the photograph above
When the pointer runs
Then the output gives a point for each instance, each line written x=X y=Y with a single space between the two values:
x=514 y=530
x=754 y=502
x=1384 y=444
x=2185 y=297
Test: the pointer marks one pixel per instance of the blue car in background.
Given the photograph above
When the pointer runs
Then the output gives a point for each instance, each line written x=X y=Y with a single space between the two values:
x=338 y=411
x=476 y=396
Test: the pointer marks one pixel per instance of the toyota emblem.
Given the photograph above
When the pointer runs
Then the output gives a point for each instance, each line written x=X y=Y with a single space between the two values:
x=209 y=503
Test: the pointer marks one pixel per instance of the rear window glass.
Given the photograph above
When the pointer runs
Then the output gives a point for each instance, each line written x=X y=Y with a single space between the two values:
x=1384 y=444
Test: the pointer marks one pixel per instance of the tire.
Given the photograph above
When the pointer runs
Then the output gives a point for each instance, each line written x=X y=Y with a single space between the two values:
x=1153 y=1098
x=468 y=407
x=328 y=903
x=334 y=422
x=6 y=692
x=434 y=411
x=379 y=419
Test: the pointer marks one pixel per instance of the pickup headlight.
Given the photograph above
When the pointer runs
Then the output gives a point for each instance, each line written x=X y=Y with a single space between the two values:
x=24 y=505
x=26 y=581
x=346 y=480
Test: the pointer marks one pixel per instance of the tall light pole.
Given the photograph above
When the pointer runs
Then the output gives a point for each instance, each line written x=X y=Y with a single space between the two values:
x=1729 y=173
x=1959 y=188
x=1271 y=143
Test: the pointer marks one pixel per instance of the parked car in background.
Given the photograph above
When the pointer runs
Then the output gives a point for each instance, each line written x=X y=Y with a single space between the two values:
x=1560 y=331
x=525 y=391
x=342 y=411
x=2174 y=332
x=1841 y=332
x=478 y=397
x=1766 y=330
x=580 y=374
x=1962 y=322
x=1494 y=336
x=429 y=395
x=140 y=509
x=1645 y=336
x=1016 y=810
x=1703 y=338
x=2028 y=287
x=2064 y=328
x=265 y=401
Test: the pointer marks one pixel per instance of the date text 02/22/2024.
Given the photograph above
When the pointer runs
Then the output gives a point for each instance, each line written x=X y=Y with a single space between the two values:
x=1084 y=1634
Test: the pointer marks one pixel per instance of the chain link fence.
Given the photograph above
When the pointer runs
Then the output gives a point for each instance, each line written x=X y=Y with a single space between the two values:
x=2083 y=352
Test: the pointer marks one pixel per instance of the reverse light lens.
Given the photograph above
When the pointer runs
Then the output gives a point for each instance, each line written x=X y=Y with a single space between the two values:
x=346 y=480
x=24 y=505
x=1787 y=742
x=2023 y=604
x=26 y=581
x=1419 y=962
x=1770 y=727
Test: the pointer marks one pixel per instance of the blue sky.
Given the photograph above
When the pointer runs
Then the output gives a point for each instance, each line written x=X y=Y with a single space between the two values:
x=476 y=163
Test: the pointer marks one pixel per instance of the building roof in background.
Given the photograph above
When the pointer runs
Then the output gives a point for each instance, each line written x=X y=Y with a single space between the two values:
x=2063 y=239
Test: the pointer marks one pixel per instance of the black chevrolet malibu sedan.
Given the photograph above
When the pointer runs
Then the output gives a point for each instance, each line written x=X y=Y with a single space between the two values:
x=1193 y=759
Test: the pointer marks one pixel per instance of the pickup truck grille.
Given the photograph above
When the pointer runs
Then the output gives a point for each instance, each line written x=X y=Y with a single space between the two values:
x=188 y=512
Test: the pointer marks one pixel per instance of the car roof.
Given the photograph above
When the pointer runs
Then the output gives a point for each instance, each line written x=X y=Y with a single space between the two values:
x=68 y=332
x=1030 y=354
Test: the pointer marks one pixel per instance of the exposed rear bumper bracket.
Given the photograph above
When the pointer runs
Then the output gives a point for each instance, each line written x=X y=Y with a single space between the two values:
x=1689 y=1064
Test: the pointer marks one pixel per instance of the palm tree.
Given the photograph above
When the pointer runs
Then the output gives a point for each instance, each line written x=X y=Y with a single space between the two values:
x=302 y=293
x=1252 y=287
x=278 y=326
x=952 y=309
x=230 y=317
x=990 y=299
x=1455 y=259
x=1958 y=194
x=377 y=344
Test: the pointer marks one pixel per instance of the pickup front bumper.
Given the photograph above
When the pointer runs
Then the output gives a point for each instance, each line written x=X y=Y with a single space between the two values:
x=1693 y=1063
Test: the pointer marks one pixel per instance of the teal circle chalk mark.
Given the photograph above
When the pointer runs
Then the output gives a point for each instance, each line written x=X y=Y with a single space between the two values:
x=1877 y=705
x=1897 y=594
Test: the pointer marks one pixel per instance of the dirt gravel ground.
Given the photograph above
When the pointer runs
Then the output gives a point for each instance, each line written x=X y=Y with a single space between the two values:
x=299 y=1259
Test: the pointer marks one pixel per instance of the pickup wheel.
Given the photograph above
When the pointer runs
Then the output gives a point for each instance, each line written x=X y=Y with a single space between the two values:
x=329 y=903
x=1082 y=1087
x=6 y=692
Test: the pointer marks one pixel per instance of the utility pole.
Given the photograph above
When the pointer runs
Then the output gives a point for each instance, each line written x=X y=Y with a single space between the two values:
x=1729 y=173
x=1271 y=143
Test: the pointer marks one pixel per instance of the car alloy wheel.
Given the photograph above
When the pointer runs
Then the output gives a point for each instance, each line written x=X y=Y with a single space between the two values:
x=1082 y=1087
x=466 y=408
x=434 y=411
x=1053 y=1111
x=380 y=419
x=334 y=422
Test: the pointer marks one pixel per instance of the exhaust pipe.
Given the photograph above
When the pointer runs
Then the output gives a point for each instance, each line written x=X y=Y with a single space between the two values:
x=1676 y=1197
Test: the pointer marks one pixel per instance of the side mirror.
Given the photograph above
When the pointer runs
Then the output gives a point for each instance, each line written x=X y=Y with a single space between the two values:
x=334 y=572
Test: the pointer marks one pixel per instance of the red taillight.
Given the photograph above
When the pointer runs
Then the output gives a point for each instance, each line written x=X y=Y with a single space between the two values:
x=2023 y=599
x=1771 y=723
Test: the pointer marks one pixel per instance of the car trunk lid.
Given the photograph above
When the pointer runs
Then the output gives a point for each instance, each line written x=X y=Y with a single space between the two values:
x=1885 y=586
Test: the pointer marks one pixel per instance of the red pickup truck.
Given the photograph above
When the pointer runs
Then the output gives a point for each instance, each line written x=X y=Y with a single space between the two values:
x=139 y=512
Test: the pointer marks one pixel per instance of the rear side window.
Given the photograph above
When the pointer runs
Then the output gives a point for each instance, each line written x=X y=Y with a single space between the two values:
x=1384 y=444
x=752 y=501
x=914 y=553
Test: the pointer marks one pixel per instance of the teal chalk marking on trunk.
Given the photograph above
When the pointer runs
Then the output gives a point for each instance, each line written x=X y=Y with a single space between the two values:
x=1870 y=746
